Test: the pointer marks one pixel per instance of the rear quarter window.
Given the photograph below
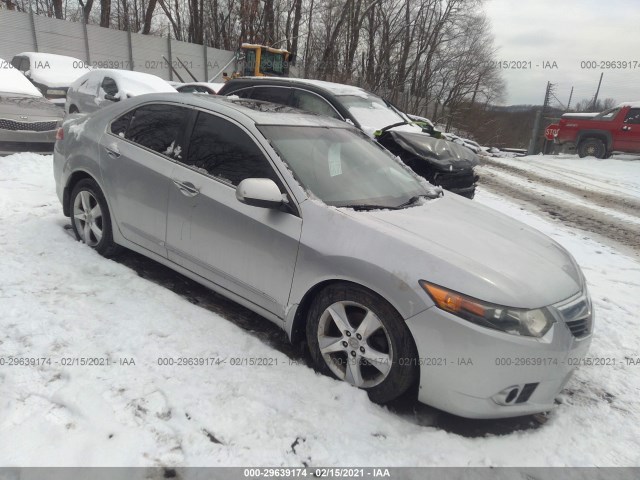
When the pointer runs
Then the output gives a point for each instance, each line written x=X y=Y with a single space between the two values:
x=120 y=125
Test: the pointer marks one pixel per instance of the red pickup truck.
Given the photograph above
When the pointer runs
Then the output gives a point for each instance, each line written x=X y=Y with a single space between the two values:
x=600 y=134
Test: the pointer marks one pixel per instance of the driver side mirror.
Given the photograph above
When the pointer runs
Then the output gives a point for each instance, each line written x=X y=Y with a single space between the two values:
x=259 y=192
x=112 y=98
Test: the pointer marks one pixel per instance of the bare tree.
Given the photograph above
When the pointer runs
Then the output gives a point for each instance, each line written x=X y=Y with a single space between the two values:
x=105 y=13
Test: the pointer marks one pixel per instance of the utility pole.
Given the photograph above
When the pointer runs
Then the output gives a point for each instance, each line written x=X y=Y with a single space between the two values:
x=533 y=143
x=595 y=99
x=570 y=97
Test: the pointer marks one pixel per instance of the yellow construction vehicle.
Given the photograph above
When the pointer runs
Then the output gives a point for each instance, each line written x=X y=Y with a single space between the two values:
x=261 y=61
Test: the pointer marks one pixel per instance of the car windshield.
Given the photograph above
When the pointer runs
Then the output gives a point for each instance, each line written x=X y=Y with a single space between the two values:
x=343 y=168
x=371 y=112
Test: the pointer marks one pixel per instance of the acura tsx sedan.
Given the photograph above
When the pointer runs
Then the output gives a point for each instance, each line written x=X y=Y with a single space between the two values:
x=306 y=221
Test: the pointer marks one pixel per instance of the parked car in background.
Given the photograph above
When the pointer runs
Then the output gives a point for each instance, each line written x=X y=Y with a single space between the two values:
x=28 y=121
x=200 y=87
x=441 y=162
x=600 y=134
x=102 y=87
x=465 y=142
x=51 y=74
x=306 y=221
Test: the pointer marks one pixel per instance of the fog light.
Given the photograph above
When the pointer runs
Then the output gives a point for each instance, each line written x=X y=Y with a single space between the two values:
x=506 y=396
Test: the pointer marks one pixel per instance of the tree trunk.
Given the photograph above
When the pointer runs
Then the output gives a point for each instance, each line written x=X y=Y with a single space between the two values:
x=297 y=15
x=57 y=9
x=105 y=13
x=148 y=17
x=306 y=48
x=86 y=9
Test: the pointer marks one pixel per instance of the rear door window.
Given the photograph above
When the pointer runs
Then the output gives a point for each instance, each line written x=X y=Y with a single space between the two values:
x=243 y=92
x=158 y=127
x=272 y=94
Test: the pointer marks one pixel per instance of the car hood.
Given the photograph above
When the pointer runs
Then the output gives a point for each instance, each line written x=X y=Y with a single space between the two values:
x=18 y=106
x=472 y=249
x=443 y=153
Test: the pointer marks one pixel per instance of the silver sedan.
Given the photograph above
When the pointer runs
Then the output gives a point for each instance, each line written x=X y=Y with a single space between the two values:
x=28 y=121
x=391 y=282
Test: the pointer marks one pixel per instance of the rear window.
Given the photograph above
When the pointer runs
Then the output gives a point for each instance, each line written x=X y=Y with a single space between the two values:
x=608 y=115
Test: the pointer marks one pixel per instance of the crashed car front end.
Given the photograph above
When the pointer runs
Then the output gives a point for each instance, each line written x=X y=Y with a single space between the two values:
x=440 y=161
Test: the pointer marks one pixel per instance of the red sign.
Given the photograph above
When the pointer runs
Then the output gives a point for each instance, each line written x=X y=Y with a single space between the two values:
x=551 y=131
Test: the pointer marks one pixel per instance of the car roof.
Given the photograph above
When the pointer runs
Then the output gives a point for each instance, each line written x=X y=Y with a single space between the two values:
x=330 y=87
x=258 y=111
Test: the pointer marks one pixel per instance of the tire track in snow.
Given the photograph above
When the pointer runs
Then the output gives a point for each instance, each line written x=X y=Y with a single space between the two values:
x=626 y=205
x=584 y=218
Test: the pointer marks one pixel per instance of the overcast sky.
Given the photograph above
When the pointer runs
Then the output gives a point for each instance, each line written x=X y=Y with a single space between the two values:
x=567 y=32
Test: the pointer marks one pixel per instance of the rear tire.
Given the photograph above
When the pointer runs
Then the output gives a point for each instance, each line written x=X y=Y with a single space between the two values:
x=592 y=147
x=356 y=336
x=90 y=217
x=73 y=109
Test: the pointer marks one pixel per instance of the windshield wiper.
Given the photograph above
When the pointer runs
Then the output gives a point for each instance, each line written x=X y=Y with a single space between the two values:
x=410 y=202
x=363 y=207
x=379 y=132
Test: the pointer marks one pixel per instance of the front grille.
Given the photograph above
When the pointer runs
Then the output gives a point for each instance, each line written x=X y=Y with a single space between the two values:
x=579 y=328
x=27 y=126
x=452 y=180
x=577 y=315
x=39 y=147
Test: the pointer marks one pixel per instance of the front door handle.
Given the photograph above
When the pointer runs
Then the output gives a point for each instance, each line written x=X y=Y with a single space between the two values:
x=186 y=188
x=113 y=152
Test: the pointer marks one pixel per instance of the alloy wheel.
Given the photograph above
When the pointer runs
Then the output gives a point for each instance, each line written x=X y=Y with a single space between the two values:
x=355 y=344
x=87 y=216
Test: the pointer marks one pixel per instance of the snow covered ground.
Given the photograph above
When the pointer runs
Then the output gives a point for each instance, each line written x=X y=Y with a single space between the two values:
x=601 y=197
x=60 y=302
x=618 y=175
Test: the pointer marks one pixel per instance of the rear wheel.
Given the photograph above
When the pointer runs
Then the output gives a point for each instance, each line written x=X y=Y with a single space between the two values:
x=356 y=336
x=73 y=109
x=592 y=147
x=90 y=217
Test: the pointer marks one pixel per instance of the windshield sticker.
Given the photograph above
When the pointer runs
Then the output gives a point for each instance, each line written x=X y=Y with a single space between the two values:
x=335 y=165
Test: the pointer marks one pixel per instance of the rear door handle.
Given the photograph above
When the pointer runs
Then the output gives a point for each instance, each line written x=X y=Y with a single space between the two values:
x=113 y=152
x=186 y=188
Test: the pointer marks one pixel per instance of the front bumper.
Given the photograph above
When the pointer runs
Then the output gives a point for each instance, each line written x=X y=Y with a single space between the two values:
x=462 y=182
x=470 y=370
x=14 y=141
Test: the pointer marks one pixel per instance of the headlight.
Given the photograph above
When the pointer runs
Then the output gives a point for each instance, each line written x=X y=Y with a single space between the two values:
x=531 y=323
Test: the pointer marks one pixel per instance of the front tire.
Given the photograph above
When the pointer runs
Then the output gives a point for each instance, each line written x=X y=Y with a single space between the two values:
x=356 y=336
x=592 y=147
x=90 y=217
